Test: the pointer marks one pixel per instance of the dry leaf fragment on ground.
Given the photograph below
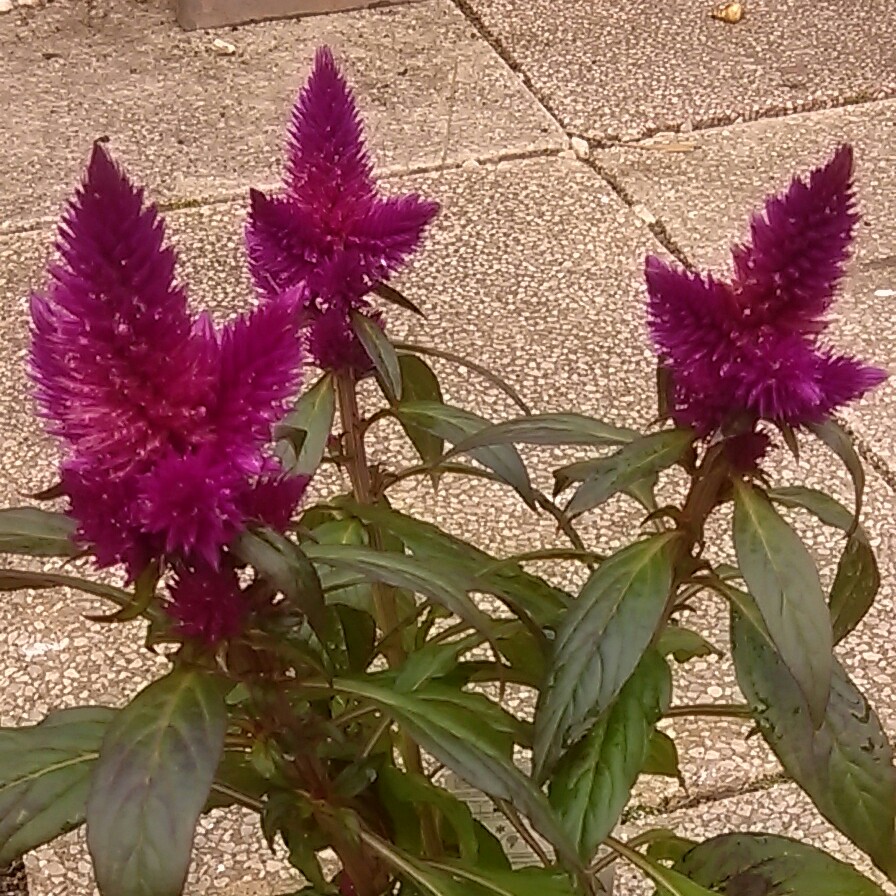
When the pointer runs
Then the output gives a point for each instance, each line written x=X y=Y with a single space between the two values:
x=731 y=12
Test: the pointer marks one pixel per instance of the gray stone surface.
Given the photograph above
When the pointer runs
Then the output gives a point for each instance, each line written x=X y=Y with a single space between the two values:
x=193 y=123
x=703 y=199
x=622 y=70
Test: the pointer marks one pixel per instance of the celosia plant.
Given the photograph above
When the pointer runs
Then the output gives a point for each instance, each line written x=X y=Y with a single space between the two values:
x=327 y=661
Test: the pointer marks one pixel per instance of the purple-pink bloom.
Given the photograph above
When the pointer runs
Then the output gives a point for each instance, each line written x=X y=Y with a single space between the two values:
x=207 y=602
x=165 y=421
x=329 y=230
x=750 y=348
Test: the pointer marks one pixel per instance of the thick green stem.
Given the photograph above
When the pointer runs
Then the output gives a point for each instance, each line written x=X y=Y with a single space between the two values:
x=385 y=606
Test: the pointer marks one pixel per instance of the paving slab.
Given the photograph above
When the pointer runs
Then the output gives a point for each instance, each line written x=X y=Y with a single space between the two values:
x=533 y=269
x=614 y=71
x=703 y=199
x=197 y=122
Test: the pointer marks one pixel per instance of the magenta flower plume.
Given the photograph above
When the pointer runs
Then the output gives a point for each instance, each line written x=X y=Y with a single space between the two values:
x=329 y=229
x=165 y=421
x=750 y=348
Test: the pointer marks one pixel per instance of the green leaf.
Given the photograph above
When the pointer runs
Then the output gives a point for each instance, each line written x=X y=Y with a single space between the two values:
x=151 y=782
x=858 y=577
x=454 y=425
x=357 y=634
x=667 y=846
x=783 y=579
x=548 y=429
x=235 y=774
x=531 y=881
x=471 y=736
x=37 y=533
x=600 y=642
x=845 y=764
x=285 y=566
x=662 y=757
x=397 y=788
x=144 y=595
x=838 y=440
x=748 y=864
x=45 y=775
x=591 y=784
x=391 y=294
x=631 y=464
x=381 y=351
x=405 y=572
x=668 y=881
x=14 y=579
x=303 y=433
x=433 y=660
x=855 y=585
x=829 y=510
x=421 y=384
x=683 y=644
x=488 y=375
x=440 y=550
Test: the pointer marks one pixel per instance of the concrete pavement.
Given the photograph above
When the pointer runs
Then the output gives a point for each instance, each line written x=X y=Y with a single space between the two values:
x=534 y=267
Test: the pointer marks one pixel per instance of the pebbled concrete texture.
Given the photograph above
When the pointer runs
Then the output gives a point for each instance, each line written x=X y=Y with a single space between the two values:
x=616 y=71
x=196 y=123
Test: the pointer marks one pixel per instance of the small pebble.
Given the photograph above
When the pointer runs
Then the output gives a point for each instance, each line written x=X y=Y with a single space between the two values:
x=470 y=163
x=223 y=47
x=580 y=147
x=644 y=213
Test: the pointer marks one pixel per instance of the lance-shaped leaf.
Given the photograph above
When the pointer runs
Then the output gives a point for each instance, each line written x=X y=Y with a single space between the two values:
x=783 y=580
x=858 y=577
x=600 y=642
x=403 y=792
x=591 y=784
x=381 y=351
x=634 y=462
x=151 y=782
x=669 y=882
x=662 y=757
x=530 y=881
x=14 y=579
x=471 y=736
x=37 y=533
x=283 y=563
x=45 y=776
x=548 y=429
x=419 y=383
x=855 y=585
x=405 y=572
x=845 y=764
x=303 y=433
x=746 y=864
x=454 y=425
x=480 y=571
x=838 y=440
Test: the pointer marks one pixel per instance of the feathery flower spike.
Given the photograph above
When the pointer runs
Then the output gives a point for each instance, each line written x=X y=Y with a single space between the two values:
x=329 y=229
x=165 y=421
x=750 y=348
